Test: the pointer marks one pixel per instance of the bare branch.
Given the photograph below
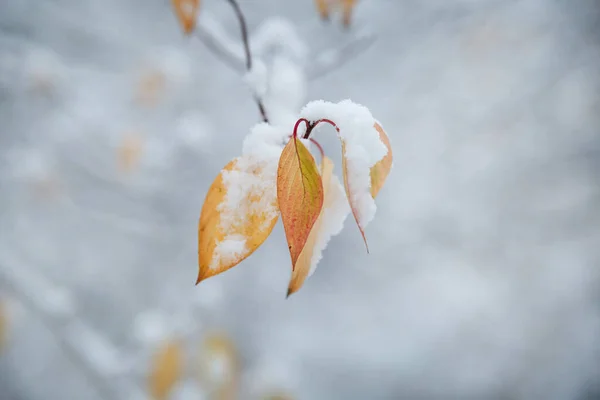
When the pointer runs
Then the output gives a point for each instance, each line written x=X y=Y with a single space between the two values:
x=244 y=30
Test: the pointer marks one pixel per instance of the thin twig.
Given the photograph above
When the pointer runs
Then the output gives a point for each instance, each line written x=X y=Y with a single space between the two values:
x=244 y=29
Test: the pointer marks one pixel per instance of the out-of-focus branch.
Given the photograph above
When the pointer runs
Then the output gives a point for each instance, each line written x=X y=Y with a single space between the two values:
x=331 y=60
x=211 y=35
x=97 y=381
x=244 y=31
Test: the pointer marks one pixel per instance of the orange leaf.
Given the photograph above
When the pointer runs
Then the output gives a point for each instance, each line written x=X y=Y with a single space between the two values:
x=187 y=12
x=304 y=263
x=381 y=170
x=324 y=8
x=299 y=194
x=229 y=233
x=166 y=369
x=347 y=7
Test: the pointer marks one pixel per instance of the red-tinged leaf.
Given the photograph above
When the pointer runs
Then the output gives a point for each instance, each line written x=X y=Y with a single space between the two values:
x=303 y=265
x=299 y=194
x=381 y=170
x=224 y=243
x=187 y=12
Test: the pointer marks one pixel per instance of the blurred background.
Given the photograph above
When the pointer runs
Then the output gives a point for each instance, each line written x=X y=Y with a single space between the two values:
x=482 y=279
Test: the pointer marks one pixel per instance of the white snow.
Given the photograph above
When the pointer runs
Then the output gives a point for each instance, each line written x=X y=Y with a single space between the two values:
x=280 y=34
x=335 y=211
x=364 y=149
x=257 y=78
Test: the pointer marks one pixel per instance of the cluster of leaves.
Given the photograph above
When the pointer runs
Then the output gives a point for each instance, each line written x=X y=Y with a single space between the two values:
x=303 y=191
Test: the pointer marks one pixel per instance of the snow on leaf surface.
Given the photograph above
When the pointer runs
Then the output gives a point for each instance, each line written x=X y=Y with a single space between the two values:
x=240 y=208
x=299 y=194
x=329 y=223
x=362 y=148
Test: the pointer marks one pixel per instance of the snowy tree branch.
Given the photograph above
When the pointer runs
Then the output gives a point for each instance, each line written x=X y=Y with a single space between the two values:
x=244 y=31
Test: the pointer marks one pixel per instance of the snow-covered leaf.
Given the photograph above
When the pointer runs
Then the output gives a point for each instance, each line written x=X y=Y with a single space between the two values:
x=362 y=148
x=330 y=223
x=299 y=194
x=239 y=213
x=165 y=370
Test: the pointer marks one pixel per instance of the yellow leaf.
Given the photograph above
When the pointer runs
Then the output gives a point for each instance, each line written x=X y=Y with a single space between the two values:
x=219 y=367
x=166 y=369
x=381 y=170
x=186 y=12
x=129 y=152
x=303 y=265
x=222 y=244
x=299 y=194
x=324 y=8
x=347 y=8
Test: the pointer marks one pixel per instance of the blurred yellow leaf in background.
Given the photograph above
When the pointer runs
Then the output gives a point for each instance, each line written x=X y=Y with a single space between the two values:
x=219 y=367
x=129 y=151
x=186 y=12
x=165 y=370
x=150 y=88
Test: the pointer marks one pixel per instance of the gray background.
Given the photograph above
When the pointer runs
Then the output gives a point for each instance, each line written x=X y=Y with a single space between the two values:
x=482 y=280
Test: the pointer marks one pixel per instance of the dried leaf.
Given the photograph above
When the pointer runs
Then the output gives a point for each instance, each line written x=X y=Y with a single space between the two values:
x=381 y=170
x=299 y=194
x=187 y=13
x=324 y=8
x=219 y=367
x=223 y=247
x=303 y=265
x=166 y=369
x=129 y=152
x=347 y=8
